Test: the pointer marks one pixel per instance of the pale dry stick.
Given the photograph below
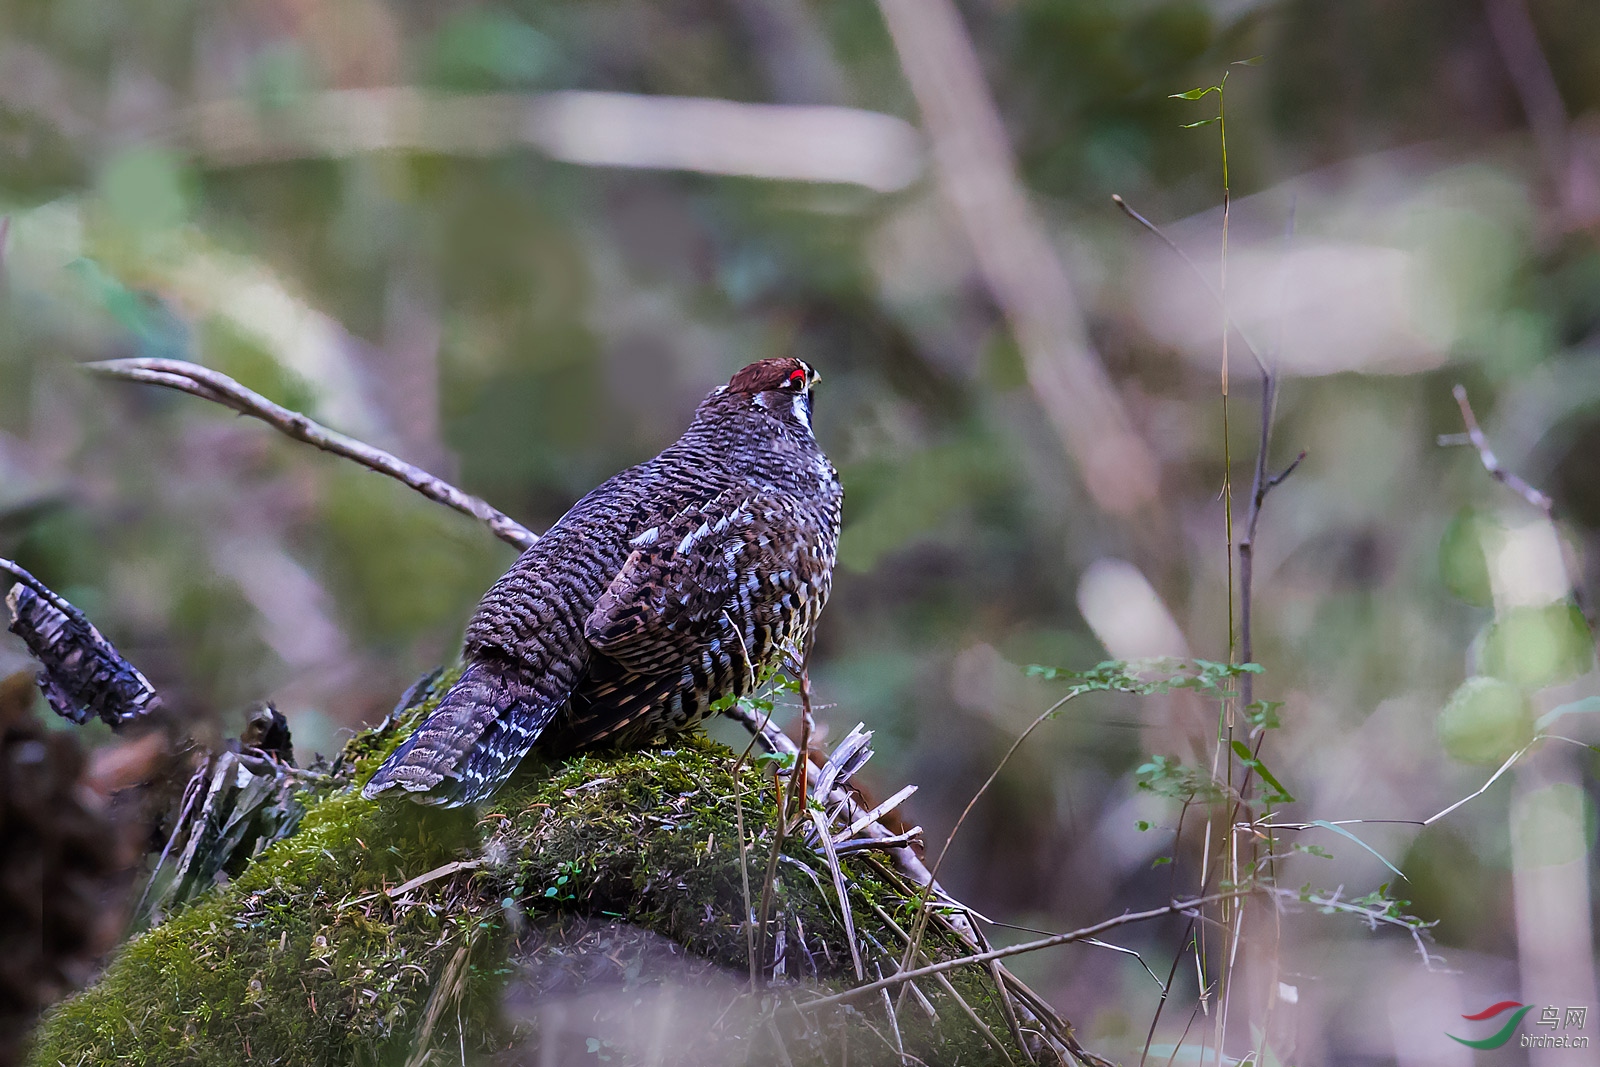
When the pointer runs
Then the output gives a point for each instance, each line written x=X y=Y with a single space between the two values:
x=1529 y=493
x=841 y=888
x=901 y=977
x=796 y=797
x=905 y=858
x=738 y=819
x=1491 y=463
x=1039 y=1011
x=974 y=170
x=1436 y=816
x=944 y=983
x=218 y=388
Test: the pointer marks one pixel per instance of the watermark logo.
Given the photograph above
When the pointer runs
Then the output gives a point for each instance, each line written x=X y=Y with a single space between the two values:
x=1550 y=1018
x=1501 y=1036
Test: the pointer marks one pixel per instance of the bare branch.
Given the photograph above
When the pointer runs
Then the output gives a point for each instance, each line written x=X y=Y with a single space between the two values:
x=1536 y=499
x=920 y=923
x=1491 y=462
x=1084 y=934
x=1261 y=484
x=1127 y=209
x=218 y=388
x=1373 y=915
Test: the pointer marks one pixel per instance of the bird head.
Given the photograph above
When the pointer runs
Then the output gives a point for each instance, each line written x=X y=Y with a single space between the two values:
x=781 y=386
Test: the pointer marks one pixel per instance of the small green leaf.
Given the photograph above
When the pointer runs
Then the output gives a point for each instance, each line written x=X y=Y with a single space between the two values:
x=1196 y=94
x=1161 y=861
x=1242 y=750
x=1202 y=122
x=1263 y=714
x=1253 y=61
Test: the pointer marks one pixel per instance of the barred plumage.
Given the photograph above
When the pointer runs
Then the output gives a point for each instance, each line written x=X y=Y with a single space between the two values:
x=666 y=588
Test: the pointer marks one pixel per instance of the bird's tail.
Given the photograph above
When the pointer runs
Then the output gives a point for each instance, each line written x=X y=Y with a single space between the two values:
x=471 y=742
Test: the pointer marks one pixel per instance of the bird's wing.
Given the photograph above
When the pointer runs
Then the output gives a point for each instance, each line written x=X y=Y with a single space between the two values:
x=687 y=572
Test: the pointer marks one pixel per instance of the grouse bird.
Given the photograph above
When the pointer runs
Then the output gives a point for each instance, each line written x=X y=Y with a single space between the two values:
x=664 y=589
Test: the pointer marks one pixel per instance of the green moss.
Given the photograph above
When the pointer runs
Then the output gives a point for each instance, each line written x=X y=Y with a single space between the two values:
x=307 y=959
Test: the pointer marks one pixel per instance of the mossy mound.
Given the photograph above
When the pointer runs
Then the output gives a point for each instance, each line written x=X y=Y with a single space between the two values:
x=590 y=898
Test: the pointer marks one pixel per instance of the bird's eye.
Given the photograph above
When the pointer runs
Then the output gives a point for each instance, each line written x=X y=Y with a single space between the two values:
x=797 y=378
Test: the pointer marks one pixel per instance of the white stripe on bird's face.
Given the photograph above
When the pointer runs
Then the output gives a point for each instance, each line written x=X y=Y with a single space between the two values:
x=801 y=405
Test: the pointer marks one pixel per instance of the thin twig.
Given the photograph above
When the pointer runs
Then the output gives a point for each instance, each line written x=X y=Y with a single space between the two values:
x=1166 y=991
x=920 y=924
x=1490 y=461
x=1533 y=496
x=944 y=983
x=1127 y=209
x=799 y=776
x=212 y=385
x=1261 y=484
x=1416 y=928
x=901 y=977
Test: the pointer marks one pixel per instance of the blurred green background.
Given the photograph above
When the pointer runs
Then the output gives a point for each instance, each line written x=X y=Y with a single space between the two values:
x=1414 y=204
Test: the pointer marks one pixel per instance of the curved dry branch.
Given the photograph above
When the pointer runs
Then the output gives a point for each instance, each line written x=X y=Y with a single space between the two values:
x=1185 y=907
x=218 y=388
